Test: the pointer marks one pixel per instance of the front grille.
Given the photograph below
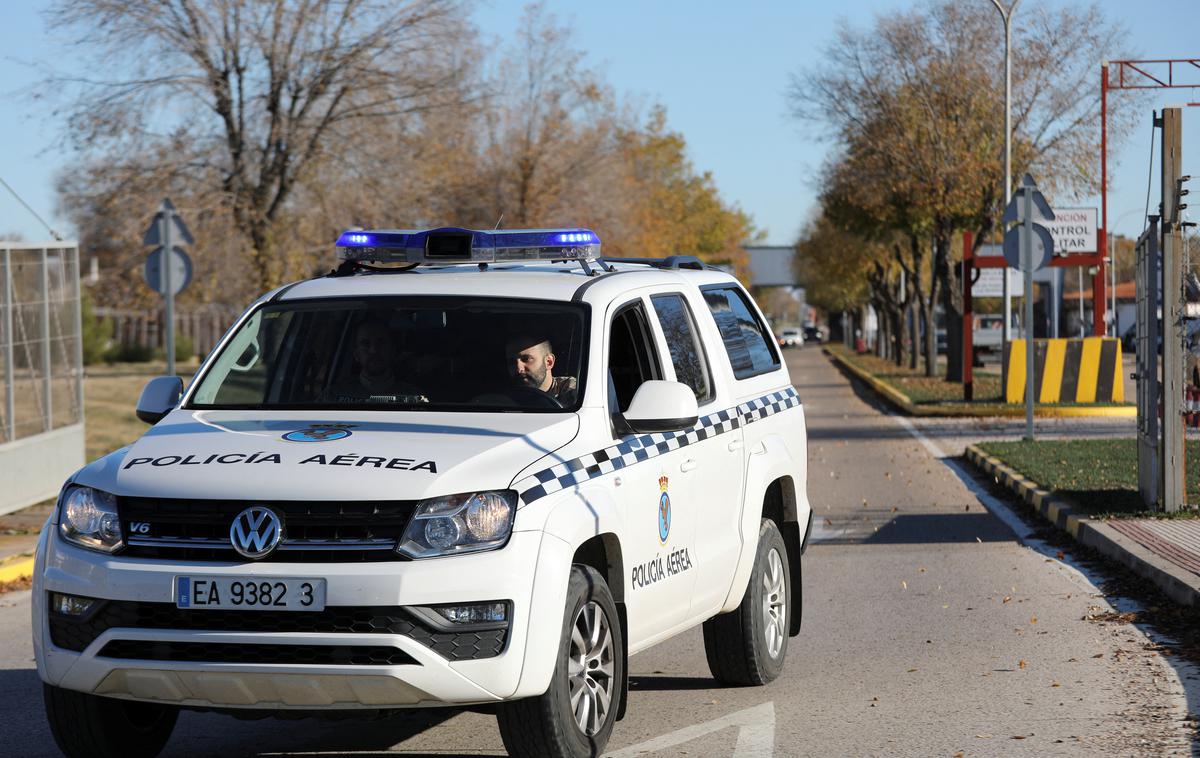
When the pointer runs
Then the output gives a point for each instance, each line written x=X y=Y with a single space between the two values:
x=216 y=652
x=74 y=634
x=313 y=531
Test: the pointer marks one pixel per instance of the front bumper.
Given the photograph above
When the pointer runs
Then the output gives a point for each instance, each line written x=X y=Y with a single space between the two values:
x=334 y=661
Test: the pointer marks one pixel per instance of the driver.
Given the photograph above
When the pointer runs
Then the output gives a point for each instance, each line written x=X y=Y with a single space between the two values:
x=531 y=362
x=374 y=353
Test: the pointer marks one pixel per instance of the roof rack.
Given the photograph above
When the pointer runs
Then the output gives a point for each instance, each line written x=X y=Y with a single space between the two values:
x=672 y=262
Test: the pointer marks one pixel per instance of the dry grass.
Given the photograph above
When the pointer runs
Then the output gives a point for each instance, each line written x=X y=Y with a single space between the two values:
x=920 y=388
x=110 y=395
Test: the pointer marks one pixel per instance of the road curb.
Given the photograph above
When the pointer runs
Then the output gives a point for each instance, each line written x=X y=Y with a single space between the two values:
x=18 y=567
x=901 y=401
x=1179 y=584
x=885 y=390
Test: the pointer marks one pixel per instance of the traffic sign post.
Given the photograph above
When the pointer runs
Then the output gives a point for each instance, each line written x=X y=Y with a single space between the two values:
x=168 y=268
x=1028 y=247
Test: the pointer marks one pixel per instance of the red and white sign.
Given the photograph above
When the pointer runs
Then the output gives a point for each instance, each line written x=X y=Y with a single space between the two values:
x=1073 y=230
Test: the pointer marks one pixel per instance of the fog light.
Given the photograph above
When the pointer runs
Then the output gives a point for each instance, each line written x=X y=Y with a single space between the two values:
x=70 y=605
x=476 y=613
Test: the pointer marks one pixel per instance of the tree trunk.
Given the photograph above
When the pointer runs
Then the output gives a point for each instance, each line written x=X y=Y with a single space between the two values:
x=896 y=328
x=929 y=321
x=950 y=281
x=912 y=335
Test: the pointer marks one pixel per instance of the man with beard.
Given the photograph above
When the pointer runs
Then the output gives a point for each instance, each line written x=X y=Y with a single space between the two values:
x=531 y=361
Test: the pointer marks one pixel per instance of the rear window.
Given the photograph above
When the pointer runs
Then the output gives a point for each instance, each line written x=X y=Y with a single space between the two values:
x=751 y=350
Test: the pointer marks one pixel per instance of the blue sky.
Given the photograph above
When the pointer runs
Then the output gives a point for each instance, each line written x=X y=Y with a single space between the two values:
x=721 y=69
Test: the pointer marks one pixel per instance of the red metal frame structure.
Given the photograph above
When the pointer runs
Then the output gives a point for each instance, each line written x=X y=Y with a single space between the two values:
x=1164 y=73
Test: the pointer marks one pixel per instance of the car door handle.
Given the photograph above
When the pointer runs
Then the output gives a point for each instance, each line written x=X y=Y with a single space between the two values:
x=735 y=446
x=688 y=465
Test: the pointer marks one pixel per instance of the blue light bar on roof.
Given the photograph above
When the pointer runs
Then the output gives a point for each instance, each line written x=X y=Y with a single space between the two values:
x=452 y=245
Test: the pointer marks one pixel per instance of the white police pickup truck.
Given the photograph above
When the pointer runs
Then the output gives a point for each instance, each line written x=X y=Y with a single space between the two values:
x=464 y=468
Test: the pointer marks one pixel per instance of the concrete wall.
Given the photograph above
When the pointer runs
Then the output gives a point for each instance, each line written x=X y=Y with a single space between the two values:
x=34 y=468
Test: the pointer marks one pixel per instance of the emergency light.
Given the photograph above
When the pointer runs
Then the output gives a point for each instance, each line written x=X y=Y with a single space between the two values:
x=452 y=245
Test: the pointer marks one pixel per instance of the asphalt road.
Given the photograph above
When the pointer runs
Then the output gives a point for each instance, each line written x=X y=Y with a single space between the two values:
x=934 y=624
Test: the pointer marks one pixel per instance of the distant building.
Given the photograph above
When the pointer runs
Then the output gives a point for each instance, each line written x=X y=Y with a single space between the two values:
x=771 y=266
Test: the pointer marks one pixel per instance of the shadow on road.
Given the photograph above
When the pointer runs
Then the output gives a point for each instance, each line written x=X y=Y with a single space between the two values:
x=910 y=529
x=669 y=683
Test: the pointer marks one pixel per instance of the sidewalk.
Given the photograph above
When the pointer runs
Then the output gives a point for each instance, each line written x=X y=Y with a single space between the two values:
x=18 y=540
x=1167 y=552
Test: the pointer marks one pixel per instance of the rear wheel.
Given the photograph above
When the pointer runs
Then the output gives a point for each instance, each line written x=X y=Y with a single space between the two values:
x=575 y=716
x=747 y=646
x=89 y=726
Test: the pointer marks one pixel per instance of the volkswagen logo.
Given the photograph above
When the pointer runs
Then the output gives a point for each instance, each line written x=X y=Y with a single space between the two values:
x=255 y=532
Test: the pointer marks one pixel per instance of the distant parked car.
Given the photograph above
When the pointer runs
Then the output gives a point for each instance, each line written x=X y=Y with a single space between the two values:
x=989 y=333
x=791 y=337
x=814 y=334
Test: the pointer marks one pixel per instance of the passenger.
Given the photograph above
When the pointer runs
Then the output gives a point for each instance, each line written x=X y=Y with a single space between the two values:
x=531 y=362
x=374 y=352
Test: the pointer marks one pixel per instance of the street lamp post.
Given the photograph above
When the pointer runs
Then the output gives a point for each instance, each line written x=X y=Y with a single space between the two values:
x=1006 y=13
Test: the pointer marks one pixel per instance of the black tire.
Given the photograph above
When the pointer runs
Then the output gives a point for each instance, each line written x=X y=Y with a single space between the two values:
x=736 y=643
x=89 y=726
x=546 y=725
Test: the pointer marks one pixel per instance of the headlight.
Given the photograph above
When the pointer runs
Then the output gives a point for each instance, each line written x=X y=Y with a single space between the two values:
x=89 y=518
x=464 y=523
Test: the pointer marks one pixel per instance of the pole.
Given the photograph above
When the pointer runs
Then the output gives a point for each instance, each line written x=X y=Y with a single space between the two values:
x=1079 y=270
x=10 y=417
x=1173 y=489
x=1098 y=325
x=1027 y=269
x=168 y=251
x=78 y=324
x=968 y=330
x=1007 y=14
x=47 y=378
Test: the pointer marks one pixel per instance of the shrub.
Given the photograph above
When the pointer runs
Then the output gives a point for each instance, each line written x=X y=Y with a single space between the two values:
x=96 y=333
x=129 y=353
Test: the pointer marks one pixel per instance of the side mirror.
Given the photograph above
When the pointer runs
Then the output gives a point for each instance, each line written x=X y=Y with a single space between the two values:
x=660 y=406
x=161 y=394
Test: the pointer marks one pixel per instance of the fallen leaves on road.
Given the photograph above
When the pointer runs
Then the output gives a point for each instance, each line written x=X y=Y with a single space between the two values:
x=1007 y=599
x=903 y=584
x=15 y=585
x=1021 y=664
x=1033 y=620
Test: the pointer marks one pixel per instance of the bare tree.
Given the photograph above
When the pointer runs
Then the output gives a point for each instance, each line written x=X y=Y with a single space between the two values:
x=255 y=93
x=915 y=95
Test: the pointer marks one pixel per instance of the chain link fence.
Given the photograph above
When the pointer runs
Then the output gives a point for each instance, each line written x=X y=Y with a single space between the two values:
x=41 y=363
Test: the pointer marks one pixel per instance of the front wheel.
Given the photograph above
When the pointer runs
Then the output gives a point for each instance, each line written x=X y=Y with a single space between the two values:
x=89 y=726
x=747 y=646
x=575 y=716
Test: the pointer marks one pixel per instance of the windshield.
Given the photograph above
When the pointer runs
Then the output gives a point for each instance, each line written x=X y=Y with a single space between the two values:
x=403 y=353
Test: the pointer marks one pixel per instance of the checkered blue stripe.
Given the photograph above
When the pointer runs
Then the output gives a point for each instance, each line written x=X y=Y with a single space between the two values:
x=643 y=447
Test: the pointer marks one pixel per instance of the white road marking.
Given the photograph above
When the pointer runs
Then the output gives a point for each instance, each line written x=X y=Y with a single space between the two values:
x=927 y=443
x=756 y=734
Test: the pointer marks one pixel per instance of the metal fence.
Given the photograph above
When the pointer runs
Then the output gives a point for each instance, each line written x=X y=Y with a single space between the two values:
x=41 y=357
x=203 y=325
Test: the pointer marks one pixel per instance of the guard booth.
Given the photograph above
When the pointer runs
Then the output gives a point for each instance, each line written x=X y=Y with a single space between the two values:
x=41 y=364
